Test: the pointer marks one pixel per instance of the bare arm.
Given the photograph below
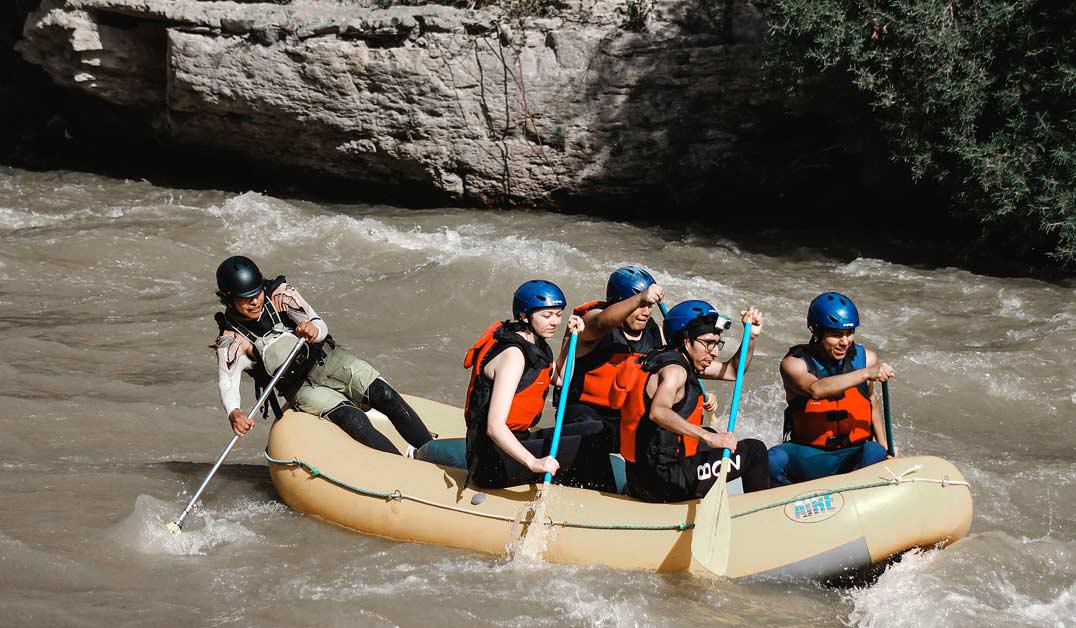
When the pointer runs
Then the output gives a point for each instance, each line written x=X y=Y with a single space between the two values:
x=602 y=322
x=798 y=380
x=726 y=371
x=668 y=386
x=506 y=370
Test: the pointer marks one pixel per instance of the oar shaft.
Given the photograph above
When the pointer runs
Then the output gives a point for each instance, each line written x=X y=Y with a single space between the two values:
x=566 y=378
x=740 y=366
x=888 y=419
x=235 y=438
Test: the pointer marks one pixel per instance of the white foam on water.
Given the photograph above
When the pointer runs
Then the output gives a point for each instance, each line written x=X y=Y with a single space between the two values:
x=989 y=580
x=145 y=529
x=259 y=221
x=542 y=593
x=870 y=267
x=1010 y=305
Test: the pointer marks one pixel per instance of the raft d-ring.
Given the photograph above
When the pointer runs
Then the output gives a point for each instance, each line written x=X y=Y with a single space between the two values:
x=945 y=481
x=548 y=522
x=396 y=496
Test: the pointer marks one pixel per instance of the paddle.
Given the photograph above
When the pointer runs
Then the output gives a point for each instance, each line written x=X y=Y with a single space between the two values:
x=888 y=419
x=711 y=539
x=175 y=527
x=531 y=548
x=710 y=416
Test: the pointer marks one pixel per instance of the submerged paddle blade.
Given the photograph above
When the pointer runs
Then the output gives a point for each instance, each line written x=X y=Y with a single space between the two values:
x=711 y=540
x=174 y=528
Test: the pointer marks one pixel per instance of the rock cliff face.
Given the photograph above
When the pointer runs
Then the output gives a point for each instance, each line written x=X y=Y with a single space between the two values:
x=482 y=107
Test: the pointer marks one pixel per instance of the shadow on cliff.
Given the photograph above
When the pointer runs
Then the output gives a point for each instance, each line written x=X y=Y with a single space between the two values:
x=738 y=158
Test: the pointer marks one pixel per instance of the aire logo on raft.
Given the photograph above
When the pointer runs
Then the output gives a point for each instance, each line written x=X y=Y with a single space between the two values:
x=814 y=509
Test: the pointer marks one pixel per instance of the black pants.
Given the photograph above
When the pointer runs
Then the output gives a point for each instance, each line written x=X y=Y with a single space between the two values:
x=692 y=478
x=592 y=469
x=387 y=401
x=496 y=469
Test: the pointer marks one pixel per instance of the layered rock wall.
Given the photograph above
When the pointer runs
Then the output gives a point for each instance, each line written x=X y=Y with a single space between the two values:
x=462 y=106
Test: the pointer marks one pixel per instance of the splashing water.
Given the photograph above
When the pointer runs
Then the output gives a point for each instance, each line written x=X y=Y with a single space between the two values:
x=145 y=530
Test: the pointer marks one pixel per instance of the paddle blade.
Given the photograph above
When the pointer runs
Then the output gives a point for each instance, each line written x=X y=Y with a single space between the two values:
x=711 y=539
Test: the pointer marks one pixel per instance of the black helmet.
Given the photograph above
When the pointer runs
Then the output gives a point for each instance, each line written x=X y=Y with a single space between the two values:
x=238 y=277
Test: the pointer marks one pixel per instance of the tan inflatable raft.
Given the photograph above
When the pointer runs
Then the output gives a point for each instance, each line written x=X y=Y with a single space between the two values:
x=816 y=529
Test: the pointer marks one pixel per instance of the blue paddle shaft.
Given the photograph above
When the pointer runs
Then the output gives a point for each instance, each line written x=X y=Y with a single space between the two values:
x=735 y=409
x=565 y=381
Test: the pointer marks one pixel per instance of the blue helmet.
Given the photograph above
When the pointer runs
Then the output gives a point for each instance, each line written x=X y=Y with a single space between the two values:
x=682 y=315
x=832 y=310
x=535 y=295
x=627 y=282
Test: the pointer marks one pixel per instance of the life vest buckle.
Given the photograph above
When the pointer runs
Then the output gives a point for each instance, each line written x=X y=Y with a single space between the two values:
x=840 y=441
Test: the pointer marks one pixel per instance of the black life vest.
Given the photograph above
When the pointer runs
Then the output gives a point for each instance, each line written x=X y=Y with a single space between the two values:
x=641 y=439
x=270 y=317
x=531 y=391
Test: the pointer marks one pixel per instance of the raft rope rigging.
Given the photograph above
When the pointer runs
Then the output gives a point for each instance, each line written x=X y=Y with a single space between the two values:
x=893 y=479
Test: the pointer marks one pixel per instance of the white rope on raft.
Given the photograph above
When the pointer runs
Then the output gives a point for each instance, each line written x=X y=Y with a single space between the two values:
x=895 y=478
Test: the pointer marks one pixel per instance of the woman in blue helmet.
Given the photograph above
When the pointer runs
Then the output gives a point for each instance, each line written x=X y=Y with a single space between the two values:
x=512 y=368
x=670 y=456
x=832 y=424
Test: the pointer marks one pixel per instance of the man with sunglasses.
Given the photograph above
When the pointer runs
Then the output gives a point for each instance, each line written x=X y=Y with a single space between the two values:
x=669 y=455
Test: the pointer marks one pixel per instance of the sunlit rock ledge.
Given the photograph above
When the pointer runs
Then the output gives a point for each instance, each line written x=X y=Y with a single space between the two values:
x=478 y=107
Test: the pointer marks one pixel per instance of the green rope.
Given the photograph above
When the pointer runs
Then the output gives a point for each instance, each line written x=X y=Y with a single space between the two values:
x=680 y=527
x=316 y=473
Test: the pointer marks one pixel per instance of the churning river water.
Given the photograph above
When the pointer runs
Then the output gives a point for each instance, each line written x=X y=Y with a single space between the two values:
x=110 y=415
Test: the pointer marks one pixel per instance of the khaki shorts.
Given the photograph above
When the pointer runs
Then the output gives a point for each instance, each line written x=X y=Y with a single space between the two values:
x=343 y=377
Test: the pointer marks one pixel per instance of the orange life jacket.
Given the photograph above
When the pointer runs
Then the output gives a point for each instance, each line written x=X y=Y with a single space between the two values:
x=830 y=423
x=594 y=372
x=533 y=386
x=641 y=439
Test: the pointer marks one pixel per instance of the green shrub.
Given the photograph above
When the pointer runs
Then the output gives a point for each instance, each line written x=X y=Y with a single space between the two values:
x=557 y=139
x=637 y=13
x=976 y=95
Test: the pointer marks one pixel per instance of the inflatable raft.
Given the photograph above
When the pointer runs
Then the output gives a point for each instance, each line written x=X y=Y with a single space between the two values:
x=817 y=529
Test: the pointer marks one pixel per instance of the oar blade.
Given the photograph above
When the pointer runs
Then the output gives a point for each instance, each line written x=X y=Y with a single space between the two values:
x=711 y=540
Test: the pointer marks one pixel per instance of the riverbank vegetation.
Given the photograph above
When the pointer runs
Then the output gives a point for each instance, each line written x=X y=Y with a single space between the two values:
x=976 y=98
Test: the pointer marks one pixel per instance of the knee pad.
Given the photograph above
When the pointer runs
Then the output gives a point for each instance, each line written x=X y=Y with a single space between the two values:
x=379 y=392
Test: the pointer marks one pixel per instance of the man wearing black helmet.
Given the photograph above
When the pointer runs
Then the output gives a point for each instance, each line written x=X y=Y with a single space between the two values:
x=261 y=323
x=831 y=419
x=670 y=456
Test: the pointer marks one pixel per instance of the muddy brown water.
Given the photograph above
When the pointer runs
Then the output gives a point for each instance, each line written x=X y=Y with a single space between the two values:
x=110 y=414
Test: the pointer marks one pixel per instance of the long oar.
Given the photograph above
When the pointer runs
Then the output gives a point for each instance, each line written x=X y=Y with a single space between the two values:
x=530 y=548
x=888 y=419
x=710 y=416
x=711 y=539
x=175 y=527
